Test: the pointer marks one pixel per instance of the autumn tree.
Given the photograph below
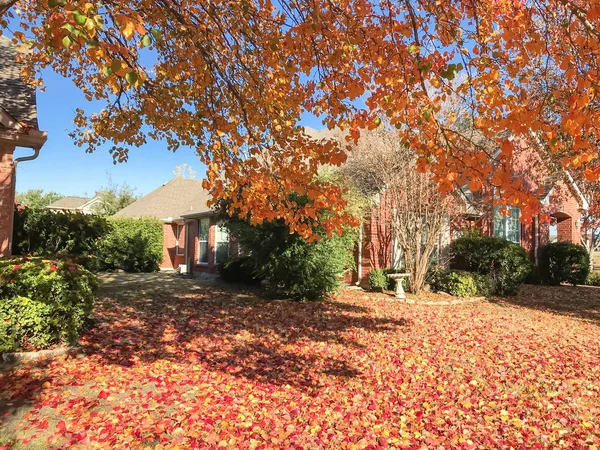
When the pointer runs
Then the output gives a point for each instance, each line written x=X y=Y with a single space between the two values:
x=233 y=79
x=382 y=165
x=37 y=198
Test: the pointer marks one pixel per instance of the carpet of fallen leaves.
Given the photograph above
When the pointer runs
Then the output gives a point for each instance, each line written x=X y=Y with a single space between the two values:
x=212 y=368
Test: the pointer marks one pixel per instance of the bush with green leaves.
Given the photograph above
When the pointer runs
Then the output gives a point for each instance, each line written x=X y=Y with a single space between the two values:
x=239 y=270
x=46 y=233
x=291 y=266
x=593 y=279
x=43 y=302
x=564 y=262
x=484 y=284
x=458 y=283
x=506 y=263
x=132 y=244
x=378 y=280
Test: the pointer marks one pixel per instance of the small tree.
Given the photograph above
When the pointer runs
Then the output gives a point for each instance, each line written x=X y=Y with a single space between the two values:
x=37 y=198
x=115 y=197
x=185 y=171
x=380 y=163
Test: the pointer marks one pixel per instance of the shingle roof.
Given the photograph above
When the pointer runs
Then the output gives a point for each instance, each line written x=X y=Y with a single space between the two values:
x=69 y=203
x=173 y=199
x=16 y=97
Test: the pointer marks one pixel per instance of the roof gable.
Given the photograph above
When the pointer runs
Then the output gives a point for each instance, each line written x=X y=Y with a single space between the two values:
x=170 y=201
x=69 y=202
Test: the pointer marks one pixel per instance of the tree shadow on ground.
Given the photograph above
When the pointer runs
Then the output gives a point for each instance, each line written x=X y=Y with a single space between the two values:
x=582 y=302
x=232 y=330
x=210 y=327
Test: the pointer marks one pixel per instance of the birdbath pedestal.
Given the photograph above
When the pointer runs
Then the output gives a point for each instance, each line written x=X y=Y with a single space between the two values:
x=398 y=277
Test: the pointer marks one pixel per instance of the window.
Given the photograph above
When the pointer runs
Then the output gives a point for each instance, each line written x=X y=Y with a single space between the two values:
x=221 y=244
x=180 y=236
x=203 y=225
x=508 y=227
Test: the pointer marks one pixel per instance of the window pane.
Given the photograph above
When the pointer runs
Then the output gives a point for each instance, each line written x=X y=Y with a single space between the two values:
x=499 y=223
x=513 y=232
x=222 y=252
x=203 y=232
x=203 y=252
x=222 y=234
x=221 y=244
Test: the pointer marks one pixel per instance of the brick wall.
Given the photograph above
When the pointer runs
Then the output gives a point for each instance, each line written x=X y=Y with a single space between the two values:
x=7 y=200
x=171 y=260
x=565 y=209
x=376 y=242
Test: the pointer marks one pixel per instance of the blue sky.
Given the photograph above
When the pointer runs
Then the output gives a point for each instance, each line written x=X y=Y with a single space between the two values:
x=67 y=169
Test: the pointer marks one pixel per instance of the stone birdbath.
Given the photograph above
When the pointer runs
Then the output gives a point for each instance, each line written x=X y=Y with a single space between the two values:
x=398 y=277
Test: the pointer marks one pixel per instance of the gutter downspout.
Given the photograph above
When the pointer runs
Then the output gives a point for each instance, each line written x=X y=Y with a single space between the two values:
x=359 y=262
x=36 y=153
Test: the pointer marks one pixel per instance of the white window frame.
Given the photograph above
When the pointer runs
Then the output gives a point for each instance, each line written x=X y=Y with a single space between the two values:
x=217 y=226
x=515 y=212
x=204 y=263
x=180 y=229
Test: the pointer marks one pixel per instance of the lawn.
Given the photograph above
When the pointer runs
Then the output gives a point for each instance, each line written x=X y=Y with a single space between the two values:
x=173 y=364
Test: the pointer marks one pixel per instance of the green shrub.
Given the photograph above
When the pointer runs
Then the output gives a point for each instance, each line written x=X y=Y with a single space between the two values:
x=46 y=233
x=132 y=244
x=484 y=284
x=290 y=266
x=434 y=277
x=458 y=283
x=564 y=262
x=307 y=270
x=505 y=262
x=43 y=302
x=378 y=280
x=593 y=279
x=239 y=270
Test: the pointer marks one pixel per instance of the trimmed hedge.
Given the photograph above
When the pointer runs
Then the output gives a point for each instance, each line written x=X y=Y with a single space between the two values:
x=46 y=233
x=43 y=302
x=564 y=262
x=131 y=244
x=461 y=283
x=506 y=263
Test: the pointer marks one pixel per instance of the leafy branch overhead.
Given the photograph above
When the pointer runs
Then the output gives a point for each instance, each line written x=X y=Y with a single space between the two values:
x=233 y=79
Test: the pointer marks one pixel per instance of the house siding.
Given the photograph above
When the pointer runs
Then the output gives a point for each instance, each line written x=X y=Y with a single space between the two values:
x=7 y=199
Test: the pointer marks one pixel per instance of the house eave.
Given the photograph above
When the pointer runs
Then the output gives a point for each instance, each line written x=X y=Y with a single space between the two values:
x=197 y=215
x=30 y=138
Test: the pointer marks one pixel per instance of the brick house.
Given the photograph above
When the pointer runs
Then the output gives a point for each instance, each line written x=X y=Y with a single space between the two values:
x=561 y=199
x=194 y=241
x=18 y=128
x=84 y=205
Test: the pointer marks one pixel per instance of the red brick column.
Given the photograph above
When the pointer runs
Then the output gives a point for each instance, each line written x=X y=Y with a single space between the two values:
x=7 y=199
